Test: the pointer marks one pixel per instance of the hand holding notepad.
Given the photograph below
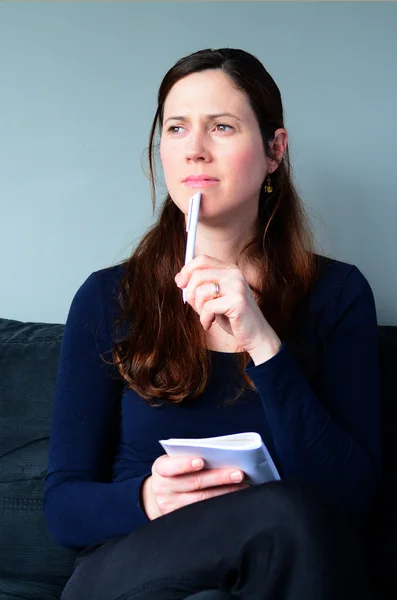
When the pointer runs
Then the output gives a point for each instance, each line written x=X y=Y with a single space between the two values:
x=244 y=451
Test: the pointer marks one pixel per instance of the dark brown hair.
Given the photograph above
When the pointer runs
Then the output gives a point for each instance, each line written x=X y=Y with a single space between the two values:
x=162 y=354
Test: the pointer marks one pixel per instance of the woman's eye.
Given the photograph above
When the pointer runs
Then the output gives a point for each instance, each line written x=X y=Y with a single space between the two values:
x=223 y=125
x=171 y=129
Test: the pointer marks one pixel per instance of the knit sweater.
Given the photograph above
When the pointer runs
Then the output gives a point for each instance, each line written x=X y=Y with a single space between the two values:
x=317 y=412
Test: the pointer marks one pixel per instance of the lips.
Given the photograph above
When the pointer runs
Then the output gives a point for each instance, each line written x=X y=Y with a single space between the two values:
x=199 y=178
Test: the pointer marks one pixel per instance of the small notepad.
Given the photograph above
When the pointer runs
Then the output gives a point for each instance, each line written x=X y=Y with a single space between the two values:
x=245 y=451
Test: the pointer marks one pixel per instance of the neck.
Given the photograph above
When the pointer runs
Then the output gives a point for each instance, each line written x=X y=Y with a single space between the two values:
x=224 y=241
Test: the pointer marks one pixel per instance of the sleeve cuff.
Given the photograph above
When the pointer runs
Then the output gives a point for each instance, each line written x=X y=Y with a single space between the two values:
x=251 y=369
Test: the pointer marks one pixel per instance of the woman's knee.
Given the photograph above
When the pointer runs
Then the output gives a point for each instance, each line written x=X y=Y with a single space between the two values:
x=292 y=502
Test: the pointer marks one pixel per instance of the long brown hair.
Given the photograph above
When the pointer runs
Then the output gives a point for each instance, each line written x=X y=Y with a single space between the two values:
x=162 y=355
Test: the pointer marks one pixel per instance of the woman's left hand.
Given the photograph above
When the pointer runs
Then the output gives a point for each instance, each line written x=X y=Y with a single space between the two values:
x=235 y=310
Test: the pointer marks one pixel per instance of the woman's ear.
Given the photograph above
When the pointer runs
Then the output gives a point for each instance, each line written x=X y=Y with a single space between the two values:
x=278 y=145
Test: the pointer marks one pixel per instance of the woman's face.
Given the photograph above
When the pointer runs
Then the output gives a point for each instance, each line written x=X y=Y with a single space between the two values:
x=227 y=147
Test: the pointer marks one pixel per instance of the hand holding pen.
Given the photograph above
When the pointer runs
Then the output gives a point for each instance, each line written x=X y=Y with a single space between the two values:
x=219 y=292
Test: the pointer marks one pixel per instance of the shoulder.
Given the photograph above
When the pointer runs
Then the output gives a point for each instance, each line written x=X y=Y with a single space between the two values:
x=335 y=276
x=332 y=271
x=96 y=300
x=108 y=280
x=340 y=287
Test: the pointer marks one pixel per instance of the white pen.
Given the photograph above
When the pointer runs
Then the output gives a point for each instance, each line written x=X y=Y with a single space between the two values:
x=191 y=228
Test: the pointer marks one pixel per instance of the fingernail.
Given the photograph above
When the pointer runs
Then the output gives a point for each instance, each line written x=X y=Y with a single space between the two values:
x=197 y=462
x=236 y=476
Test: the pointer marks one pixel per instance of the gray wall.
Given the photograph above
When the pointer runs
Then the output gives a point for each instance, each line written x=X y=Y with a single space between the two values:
x=78 y=84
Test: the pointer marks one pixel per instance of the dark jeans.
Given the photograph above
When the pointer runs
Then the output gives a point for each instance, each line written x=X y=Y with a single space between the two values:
x=277 y=541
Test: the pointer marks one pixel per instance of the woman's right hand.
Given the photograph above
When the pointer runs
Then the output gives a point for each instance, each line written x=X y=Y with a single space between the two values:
x=178 y=481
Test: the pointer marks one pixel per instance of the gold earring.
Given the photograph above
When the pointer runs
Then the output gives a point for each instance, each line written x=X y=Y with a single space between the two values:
x=268 y=186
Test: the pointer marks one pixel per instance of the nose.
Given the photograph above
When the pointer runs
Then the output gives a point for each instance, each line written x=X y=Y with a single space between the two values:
x=197 y=149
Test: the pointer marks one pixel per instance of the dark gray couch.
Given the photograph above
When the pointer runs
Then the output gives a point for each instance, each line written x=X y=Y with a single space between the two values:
x=32 y=565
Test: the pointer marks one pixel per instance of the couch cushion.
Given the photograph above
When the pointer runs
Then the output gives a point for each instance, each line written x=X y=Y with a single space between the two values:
x=13 y=589
x=382 y=531
x=29 y=354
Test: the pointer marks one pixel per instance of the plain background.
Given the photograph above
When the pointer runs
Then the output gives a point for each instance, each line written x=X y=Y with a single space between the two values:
x=78 y=86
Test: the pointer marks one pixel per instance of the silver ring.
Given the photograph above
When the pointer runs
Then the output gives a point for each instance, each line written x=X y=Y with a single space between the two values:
x=216 y=290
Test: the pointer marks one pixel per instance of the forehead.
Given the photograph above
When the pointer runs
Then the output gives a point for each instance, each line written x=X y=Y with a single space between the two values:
x=212 y=91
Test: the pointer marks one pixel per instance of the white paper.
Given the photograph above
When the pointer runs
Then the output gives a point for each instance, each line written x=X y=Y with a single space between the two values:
x=244 y=451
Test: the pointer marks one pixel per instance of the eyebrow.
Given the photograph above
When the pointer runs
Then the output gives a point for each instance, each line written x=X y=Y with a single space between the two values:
x=207 y=117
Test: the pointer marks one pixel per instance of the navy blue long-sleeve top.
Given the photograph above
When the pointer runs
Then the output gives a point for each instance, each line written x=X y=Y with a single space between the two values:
x=318 y=412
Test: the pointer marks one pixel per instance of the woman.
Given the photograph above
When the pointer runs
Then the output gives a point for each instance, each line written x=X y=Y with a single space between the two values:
x=273 y=338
